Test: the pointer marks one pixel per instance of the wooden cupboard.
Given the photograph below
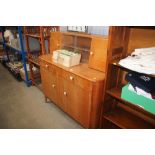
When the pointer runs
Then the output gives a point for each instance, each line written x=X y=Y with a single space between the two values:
x=76 y=90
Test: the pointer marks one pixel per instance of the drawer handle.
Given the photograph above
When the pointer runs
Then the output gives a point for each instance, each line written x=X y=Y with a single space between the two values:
x=65 y=93
x=53 y=85
x=91 y=53
x=46 y=66
x=71 y=78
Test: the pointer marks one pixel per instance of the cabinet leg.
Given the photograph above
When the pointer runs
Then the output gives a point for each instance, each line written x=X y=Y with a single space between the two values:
x=46 y=99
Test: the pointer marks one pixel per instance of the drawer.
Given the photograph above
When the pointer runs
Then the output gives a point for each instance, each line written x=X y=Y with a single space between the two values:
x=47 y=66
x=81 y=82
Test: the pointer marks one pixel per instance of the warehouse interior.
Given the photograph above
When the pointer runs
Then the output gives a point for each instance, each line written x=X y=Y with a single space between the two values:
x=77 y=77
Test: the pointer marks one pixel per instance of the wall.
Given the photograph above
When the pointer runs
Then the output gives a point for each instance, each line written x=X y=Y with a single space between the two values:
x=99 y=30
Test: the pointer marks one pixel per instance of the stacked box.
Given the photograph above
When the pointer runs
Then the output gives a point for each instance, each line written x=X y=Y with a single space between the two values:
x=139 y=100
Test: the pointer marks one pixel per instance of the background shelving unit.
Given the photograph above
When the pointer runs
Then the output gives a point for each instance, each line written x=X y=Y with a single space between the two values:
x=8 y=48
x=116 y=111
x=2 y=41
x=42 y=34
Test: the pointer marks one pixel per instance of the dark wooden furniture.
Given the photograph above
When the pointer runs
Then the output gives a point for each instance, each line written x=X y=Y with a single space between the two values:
x=41 y=33
x=118 y=113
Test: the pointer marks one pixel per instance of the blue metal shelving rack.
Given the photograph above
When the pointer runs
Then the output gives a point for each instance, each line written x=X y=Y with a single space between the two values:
x=27 y=81
x=22 y=52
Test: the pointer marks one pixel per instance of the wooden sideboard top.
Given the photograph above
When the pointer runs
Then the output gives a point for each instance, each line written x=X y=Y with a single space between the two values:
x=81 y=70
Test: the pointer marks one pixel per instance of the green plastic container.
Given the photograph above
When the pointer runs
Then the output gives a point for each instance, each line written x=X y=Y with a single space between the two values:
x=132 y=97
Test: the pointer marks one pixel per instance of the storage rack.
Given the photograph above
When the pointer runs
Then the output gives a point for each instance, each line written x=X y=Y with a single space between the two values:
x=21 y=51
x=42 y=33
x=118 y=113
x=3 y=40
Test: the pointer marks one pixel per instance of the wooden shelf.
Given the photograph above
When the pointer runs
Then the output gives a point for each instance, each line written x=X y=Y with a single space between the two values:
x=116 y=93
x=82 y=34
x=116 y=110
x=116 y=63
x=34 y=62
x=77 y=48
x=126 y=120
x=36 y=36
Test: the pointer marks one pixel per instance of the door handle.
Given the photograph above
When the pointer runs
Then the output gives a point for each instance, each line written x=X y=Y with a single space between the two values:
x=46 y=66
x=65 y=93
x=53 y=85
x=71 y=78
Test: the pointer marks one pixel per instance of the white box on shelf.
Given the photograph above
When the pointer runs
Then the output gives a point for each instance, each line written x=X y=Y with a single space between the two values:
x=67 y=58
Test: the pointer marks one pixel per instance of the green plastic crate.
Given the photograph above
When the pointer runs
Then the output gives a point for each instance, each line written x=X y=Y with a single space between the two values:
x=132 y=97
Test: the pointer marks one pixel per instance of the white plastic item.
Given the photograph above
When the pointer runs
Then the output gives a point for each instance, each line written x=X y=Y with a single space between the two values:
x=69 y=59
x=55 y=55
x=8 y=34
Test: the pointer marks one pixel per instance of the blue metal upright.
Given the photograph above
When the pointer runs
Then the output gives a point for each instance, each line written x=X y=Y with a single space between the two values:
x=27 y=81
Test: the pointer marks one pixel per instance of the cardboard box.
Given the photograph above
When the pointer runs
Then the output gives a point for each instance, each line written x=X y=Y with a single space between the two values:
x=66 y=58
x=139 y=100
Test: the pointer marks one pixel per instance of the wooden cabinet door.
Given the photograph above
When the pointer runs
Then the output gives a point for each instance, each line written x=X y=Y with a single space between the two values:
x=55 y=41
x=45 y=77
x=98 y=53
x=49 y=84
x=63 y=93
x=54 y=96
x=75 y=101
x=80 y=105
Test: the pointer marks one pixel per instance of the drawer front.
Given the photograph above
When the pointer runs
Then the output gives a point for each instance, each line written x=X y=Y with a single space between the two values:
x=47 y=66
x=72 y=78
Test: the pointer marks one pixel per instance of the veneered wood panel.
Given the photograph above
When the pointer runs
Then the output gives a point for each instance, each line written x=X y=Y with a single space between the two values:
x=98 y=54
x=49 y=83
x=63 y=94
x=55 y=41
x=45 y=76
x=80 y=105
x=141 y=38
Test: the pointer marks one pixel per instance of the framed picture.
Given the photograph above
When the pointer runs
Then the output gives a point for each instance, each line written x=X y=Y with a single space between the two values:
x=78 y=28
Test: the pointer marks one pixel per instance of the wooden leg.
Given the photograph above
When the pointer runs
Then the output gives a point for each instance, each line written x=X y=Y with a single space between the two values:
x=46 y=99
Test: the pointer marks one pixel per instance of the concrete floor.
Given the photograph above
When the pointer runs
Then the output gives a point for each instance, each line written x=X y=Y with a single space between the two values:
x=23 y=107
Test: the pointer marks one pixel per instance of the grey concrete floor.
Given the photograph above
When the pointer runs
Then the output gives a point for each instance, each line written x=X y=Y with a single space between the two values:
x=23 y=107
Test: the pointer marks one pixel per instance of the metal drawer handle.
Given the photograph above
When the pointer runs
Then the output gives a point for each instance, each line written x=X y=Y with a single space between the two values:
x=71 y=78
x=46 y=66
x=53 y=85
x=65 y=93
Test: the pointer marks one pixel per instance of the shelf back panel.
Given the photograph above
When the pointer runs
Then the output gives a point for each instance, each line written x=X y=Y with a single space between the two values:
x=141 y=38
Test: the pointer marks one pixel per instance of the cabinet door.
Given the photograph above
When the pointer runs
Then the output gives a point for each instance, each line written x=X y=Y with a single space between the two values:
x=49 y=83
x=98 y=53
x=45 y=77
x=55 y=41
x=54 y=96
x=63 y=93
x=80 y=105
x=75 y=101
